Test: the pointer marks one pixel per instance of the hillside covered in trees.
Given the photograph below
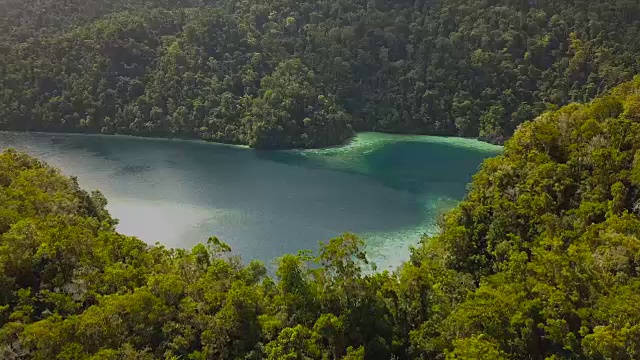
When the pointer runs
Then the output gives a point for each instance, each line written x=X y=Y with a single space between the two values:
x=280 y=74
x=540 y=261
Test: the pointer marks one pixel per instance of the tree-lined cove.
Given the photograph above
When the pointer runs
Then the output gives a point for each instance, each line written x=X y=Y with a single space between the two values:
x=539 y=259
x=387 y=188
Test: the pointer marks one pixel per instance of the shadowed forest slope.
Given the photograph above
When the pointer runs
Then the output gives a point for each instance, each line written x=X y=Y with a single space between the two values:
x=281 y=74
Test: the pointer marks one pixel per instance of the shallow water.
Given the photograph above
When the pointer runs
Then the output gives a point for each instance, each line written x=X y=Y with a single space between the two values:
x=387 y=188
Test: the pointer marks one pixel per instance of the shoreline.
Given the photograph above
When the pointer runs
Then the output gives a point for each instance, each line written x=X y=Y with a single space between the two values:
x=350 y=142
x=133 y=137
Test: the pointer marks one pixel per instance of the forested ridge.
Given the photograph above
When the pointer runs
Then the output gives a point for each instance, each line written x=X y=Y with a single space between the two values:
x=539 y=261
x=281 y=74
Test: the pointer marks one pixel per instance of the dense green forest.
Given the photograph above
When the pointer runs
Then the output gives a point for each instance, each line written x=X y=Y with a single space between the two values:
x=540 y=261
x=278 y=73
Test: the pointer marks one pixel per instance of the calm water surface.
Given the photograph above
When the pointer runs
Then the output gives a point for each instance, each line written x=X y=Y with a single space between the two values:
x=388 y=189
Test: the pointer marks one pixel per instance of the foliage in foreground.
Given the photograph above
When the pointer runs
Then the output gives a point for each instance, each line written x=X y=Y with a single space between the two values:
x=540 y=261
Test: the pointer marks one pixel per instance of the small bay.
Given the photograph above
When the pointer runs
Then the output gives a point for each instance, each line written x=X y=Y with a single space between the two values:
x=389 y=189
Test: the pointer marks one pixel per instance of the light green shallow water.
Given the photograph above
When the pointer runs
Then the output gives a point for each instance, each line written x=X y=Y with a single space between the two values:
x=387 y=188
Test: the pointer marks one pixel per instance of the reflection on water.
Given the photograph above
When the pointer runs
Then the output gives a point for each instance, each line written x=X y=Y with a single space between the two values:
x=389 y=189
